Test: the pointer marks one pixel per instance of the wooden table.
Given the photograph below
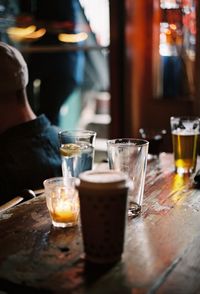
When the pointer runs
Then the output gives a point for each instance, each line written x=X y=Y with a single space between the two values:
x=161 y=254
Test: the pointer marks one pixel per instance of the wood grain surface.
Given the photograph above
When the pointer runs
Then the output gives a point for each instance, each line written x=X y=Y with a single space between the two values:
x=161 y=252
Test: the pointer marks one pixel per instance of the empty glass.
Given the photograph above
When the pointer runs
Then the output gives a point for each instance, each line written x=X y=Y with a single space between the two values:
x=130 y=156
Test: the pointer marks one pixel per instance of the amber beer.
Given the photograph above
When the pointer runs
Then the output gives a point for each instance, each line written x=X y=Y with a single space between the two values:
x=185 y=151
x=185 y=132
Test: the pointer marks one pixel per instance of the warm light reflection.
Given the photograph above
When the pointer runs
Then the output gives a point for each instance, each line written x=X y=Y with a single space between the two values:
x=173 y=27
x=177 y=186
x=168 y=32
x=73 y=38
x=18 y=31
x=37 y=34
x=19 y=34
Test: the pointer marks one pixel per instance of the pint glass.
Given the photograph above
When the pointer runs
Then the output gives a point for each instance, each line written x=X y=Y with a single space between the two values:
x=185 y=137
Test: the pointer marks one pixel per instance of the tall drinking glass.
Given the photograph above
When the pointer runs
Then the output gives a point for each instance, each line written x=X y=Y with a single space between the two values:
x=185 y=136
x=77 y=151
x=130 y=156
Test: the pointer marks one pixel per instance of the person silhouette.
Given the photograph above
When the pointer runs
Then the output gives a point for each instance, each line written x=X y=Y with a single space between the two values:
x=29 y=144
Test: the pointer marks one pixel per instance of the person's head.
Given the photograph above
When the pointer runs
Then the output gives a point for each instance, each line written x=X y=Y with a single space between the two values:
x=14 y=71
x=13 y=82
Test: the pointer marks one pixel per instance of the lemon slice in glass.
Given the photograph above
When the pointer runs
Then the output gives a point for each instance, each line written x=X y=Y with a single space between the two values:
x=69 y=149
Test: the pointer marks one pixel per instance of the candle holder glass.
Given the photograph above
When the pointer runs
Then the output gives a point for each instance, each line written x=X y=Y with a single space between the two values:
x=62 y=201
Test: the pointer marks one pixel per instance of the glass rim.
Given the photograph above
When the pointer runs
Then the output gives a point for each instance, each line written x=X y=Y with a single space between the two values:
x=128 y=141
x=77 y=132
x=52 y=180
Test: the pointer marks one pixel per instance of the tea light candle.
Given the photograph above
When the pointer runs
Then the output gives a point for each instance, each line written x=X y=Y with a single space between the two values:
x=65 y=210
x=62 y=201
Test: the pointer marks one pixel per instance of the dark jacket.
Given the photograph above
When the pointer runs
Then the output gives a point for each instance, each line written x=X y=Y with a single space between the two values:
x=29 y=154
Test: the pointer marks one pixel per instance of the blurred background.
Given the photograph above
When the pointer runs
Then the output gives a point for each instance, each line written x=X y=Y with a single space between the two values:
x=111 y=66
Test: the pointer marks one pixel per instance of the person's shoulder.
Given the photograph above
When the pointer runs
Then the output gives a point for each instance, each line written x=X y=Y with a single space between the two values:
x=48 y=126
x=55 y=129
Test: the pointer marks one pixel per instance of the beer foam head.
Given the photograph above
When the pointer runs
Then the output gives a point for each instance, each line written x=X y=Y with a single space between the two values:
x=185 y=125
x=189 y=130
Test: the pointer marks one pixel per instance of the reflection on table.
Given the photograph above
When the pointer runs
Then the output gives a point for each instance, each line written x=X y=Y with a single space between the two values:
x=161 y=248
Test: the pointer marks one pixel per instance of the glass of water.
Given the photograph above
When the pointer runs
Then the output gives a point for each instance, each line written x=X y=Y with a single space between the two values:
x=77 y=151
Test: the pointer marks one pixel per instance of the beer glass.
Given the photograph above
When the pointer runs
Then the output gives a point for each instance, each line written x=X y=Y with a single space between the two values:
x=185 y=137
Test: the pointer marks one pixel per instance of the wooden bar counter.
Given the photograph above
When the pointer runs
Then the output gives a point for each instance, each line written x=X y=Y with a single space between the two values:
x=161 y=252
